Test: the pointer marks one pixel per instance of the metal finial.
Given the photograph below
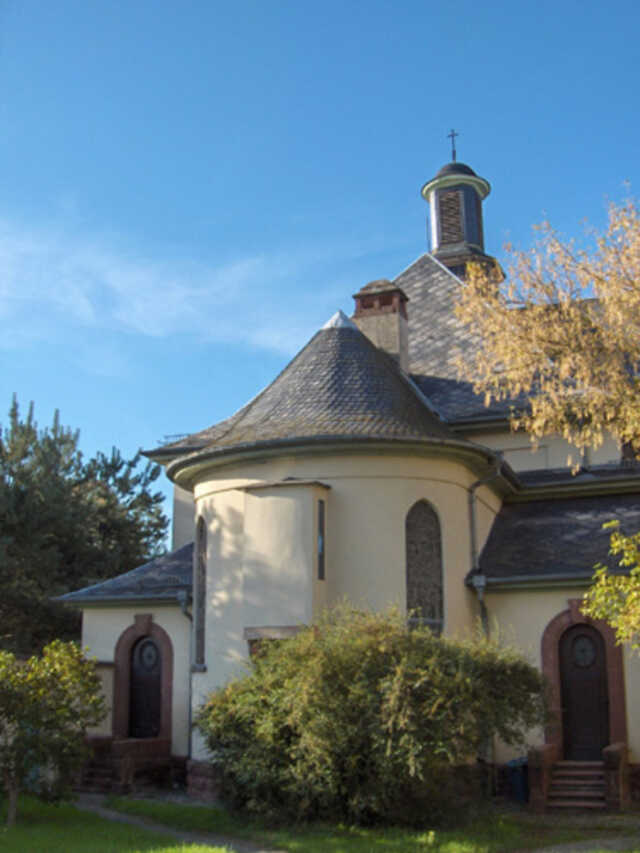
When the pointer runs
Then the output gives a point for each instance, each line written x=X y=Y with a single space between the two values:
x=452 y=137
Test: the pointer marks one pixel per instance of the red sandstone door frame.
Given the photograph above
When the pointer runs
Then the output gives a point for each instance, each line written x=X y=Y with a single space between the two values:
x=551 y=669
x=143 y=626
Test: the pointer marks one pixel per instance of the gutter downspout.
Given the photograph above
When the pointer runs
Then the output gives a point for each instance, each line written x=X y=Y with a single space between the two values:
x=183 y=600
x=477 y=580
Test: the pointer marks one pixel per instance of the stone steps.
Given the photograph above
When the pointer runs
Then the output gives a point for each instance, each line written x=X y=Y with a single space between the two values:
x=577 y=785
x=576 y=804
x=97 y=777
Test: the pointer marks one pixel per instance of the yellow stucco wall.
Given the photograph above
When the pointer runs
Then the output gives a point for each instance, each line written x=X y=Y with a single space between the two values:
x=262 y=542
x=551 y=452
x=101 y=629
x=182 y=525
x=522 y=616
x=261 y=568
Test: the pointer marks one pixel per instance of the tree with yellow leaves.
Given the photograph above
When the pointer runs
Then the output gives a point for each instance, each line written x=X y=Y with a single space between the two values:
x=564 y=332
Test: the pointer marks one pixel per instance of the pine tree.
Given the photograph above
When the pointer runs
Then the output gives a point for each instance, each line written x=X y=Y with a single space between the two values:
x=65 y=523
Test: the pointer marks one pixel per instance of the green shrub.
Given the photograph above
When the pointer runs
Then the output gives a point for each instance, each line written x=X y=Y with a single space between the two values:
x=358 y=718
x=46 y=704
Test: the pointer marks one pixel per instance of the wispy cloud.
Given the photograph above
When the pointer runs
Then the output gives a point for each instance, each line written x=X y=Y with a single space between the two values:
x=55 y=280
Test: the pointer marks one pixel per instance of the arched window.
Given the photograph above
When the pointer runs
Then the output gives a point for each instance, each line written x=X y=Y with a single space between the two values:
x=424 y=565
x=200 y=591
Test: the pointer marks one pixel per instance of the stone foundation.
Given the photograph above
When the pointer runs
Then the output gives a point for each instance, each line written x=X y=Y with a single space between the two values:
x=203 y=781
x=634 y=782
x=120 y=766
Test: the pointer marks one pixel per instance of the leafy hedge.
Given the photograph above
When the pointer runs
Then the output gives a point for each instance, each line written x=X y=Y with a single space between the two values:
x=358 y=718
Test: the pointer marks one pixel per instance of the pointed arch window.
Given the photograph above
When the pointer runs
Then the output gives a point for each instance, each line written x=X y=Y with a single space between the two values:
x=200 y=592
x=424 y=566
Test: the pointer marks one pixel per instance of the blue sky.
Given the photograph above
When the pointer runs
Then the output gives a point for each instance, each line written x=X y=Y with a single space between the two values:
x=189 y=190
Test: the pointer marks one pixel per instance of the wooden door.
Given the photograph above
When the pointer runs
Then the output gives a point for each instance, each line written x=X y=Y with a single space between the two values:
x=145 y=689
x=585 y=698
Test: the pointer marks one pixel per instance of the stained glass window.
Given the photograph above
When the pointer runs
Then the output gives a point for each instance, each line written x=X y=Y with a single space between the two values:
x=424 y=565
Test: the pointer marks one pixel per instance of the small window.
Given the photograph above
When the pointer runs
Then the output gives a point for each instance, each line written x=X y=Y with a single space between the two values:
x=200 y=589
x=321 y=540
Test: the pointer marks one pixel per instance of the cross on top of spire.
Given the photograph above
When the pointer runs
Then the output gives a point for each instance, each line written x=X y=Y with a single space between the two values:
x=452 y=137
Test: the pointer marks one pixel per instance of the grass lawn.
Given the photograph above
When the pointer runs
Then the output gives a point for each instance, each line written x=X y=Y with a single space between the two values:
x=493 y=834
x=64 y=829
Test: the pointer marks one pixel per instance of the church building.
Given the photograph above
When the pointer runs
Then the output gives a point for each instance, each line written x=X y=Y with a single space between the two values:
x=367 y=470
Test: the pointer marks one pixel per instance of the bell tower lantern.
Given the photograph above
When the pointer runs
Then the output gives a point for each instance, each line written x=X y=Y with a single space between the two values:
x=455 y=197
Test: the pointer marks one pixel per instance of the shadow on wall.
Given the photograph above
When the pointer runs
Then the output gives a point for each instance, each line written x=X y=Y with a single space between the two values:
x=248 y=588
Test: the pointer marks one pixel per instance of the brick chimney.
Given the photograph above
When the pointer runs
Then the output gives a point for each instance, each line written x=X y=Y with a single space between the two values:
x=381 y=314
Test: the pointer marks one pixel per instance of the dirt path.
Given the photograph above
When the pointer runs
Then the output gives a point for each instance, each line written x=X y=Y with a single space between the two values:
x=93 y=803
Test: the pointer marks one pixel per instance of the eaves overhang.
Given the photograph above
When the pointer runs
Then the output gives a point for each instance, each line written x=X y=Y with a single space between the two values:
x=541 y=581
x=288 y=482
x=129 y=600
x=575 y=488
x=480 y=423
x=185 y=470
x=164 y=455
x=453 y=179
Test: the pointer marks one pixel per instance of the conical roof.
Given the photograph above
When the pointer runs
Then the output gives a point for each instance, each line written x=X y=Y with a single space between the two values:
x=339 y=385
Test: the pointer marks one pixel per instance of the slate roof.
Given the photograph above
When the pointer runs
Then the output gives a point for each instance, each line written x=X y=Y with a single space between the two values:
x=339 y=385
x=164 y=578
x=436 y=336
x=457 y=401
x=557 y=536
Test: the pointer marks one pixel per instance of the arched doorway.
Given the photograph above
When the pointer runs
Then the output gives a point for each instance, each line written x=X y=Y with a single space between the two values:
x=585 y=695
x=143 y=662
x=145 y=696
x=557 y=637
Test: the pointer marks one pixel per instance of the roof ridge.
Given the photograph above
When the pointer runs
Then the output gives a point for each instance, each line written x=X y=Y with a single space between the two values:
x=432 y=258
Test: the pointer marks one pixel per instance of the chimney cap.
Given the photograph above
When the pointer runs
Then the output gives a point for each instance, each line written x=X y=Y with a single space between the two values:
x=381 y=285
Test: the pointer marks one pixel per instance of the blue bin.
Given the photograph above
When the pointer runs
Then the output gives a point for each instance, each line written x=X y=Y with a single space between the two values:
x=518 y=770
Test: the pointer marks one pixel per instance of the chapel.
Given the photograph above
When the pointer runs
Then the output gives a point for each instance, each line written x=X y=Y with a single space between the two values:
x=367 y=470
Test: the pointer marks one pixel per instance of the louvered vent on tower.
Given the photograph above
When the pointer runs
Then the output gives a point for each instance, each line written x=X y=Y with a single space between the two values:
x=455 y=198
x=451 y=230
